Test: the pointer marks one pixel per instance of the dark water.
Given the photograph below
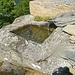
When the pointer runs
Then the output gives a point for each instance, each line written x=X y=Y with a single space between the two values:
x=34 y=33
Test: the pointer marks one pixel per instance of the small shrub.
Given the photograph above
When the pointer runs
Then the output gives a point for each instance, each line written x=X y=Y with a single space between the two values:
x=39 y=18
x=9 y=11
x=46 y=18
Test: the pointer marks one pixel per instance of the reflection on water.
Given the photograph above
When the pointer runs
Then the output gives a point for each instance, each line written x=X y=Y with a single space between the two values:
x=34 y=33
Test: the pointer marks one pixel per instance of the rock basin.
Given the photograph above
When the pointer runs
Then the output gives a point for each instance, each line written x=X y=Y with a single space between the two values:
x=34 y=32
x=44 y=57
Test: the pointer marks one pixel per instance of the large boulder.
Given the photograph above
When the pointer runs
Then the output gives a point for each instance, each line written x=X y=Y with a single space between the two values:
x=50 y=7
x=44 y=57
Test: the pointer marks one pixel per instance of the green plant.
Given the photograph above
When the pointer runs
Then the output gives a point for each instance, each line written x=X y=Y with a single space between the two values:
x=39 y=18
x=9 y=11
x=22 y=8
x=46 y=18
x=6 y=6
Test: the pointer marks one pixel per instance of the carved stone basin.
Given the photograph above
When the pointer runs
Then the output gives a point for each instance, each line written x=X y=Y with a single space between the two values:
x=42 y=51
x=34 y=32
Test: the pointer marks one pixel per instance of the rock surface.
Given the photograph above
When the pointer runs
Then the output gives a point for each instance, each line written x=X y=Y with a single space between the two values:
x=11 y=69
x=70 y=29
x=72 y=39
x=7 y=68
x=45 y=57
x=28 y=19
x=24 y=19
x=63 y=19
x=50 y=7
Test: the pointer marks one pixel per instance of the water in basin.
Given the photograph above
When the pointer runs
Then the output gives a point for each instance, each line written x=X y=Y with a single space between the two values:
x=34 y=32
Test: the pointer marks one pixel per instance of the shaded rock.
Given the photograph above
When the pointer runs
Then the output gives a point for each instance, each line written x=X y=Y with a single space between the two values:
x=11 y=69
x=5 y=73
x=70 y=55
x=63 y=19
x=62 y=71
x=34 y=72
x=70 y=29
x=67 y=52
x=8 y=68
x=71 y=41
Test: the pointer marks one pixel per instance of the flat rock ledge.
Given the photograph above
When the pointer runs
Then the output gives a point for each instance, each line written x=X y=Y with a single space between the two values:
x=70 y=29
x=43 y=57
x=63 y=19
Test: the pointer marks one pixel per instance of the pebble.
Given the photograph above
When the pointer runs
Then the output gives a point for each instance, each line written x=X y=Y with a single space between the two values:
x=72 y=39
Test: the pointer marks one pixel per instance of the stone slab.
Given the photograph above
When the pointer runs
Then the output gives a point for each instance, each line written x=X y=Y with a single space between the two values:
x=70 y=29
x=63 y=19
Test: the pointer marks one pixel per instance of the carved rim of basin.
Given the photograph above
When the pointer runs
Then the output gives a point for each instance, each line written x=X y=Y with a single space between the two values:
x=34 y=33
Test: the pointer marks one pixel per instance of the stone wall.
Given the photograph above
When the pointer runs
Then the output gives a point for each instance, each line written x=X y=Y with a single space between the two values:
x=51 y=7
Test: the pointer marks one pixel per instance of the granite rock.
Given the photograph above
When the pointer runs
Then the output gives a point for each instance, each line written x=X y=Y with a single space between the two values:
x=64 y=19
x=45 y=57
x=70 y=29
